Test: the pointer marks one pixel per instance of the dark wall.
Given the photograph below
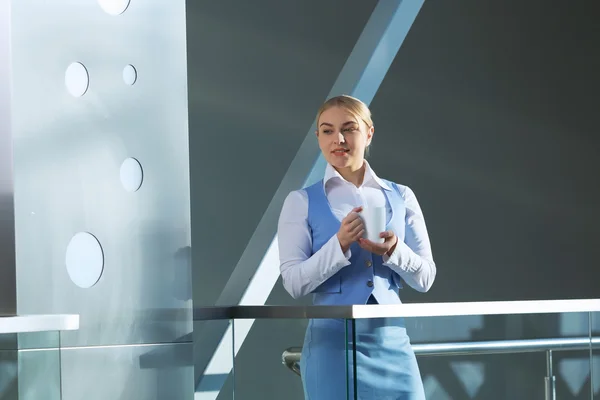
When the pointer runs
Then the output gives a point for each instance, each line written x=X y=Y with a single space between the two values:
x=490 y=113
x=257 y=73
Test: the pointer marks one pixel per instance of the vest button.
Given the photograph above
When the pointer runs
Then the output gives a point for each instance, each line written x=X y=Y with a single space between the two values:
x=368 y=263
x=370 y=283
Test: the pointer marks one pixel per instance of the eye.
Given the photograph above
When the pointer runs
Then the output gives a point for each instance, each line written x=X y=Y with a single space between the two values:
x=327 y=131
x=350 y=129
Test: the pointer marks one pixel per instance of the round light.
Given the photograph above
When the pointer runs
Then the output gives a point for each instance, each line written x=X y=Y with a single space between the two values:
x=114 y=7
x=132 y=174
x=129 y=74
x=77 y=79
x=84 y=260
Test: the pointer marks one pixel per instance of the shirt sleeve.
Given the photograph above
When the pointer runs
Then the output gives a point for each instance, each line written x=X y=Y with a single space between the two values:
x=413 y=259
x=302 y=271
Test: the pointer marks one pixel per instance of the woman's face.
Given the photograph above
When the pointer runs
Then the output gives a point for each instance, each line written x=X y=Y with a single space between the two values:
x=343 y=138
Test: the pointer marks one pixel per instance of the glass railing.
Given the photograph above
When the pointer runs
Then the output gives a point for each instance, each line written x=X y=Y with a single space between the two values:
x=595 y=356
x=30 y=362
x=493 y=350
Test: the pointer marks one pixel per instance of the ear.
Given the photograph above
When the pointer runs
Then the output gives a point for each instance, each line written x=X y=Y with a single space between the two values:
x=317 y=133
x=370 y=133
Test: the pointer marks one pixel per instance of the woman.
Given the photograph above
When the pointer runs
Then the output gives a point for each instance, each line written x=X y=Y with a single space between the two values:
x=323 y=251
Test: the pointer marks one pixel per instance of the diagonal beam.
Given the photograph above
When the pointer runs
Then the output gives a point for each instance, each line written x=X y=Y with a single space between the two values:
x=361 y=77
x=257 y=271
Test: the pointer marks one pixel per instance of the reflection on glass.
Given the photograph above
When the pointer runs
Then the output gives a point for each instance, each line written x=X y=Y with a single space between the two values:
x=500 y=357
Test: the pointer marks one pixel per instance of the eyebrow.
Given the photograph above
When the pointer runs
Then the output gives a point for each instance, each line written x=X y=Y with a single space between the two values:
x=344 y=124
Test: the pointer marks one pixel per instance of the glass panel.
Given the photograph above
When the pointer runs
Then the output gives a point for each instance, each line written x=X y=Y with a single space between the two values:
x=8 y=341
x=39 y=340
x=30 y=366
x=39 y=374
x=352 y=357
x=214 y=368
x=381 y=361
x=472 y=357
x=8 y=370
x=269 y=363
x=572 y=367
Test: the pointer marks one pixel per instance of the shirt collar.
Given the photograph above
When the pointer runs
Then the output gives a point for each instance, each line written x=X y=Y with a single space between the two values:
x=331 y=173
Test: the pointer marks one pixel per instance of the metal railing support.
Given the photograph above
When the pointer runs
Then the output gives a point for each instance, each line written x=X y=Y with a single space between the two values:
x=550 y=379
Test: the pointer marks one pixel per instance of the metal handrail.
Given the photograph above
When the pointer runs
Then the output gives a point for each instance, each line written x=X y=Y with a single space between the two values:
x=38 y=323
x=291 y=356
x=291 y=359
x=506 y=346
x=408 y=310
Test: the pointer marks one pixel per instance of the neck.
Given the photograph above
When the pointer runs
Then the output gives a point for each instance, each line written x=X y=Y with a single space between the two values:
x=352 y=174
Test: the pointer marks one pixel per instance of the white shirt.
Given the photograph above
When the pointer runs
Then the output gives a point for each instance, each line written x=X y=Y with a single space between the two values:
x=302 y=271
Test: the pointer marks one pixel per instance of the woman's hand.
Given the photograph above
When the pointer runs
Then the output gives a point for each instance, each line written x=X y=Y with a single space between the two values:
x=387 y=247
x=351 y=229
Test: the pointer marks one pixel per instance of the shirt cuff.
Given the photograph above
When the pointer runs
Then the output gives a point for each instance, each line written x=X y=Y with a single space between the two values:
x=340 y=256
x=330 y=259
x=396 y=258
x=347 y=254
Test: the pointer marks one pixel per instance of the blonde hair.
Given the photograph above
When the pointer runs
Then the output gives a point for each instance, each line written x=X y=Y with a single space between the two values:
x=354 y=106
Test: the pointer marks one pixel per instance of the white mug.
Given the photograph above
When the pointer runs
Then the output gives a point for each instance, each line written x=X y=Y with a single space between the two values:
x=374 y=220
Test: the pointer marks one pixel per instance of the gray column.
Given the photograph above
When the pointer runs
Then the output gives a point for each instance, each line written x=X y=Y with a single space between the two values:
x=101 y=199
x=8 y=304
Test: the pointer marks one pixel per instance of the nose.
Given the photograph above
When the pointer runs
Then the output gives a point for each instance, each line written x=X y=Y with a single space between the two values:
x=340 y=138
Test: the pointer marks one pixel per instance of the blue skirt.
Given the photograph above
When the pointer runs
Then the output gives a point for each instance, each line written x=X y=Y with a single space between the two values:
x=386 y=366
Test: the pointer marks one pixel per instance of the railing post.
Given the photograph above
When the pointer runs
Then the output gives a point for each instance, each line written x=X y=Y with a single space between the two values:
x=550 y=380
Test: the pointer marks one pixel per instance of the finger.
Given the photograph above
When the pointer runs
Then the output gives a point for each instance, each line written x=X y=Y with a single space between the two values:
x=358 y=235
x=369 y=246
x=388 y=238
x=353 y=225
x=372 y=246
x=352 y=217
x=357 y=229
x=366 y=243
x=363 y=243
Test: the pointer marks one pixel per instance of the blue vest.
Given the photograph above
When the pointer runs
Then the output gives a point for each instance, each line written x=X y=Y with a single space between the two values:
x=366 y=274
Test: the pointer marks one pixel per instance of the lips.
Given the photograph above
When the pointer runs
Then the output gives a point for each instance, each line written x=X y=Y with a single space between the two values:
x=340 y=151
